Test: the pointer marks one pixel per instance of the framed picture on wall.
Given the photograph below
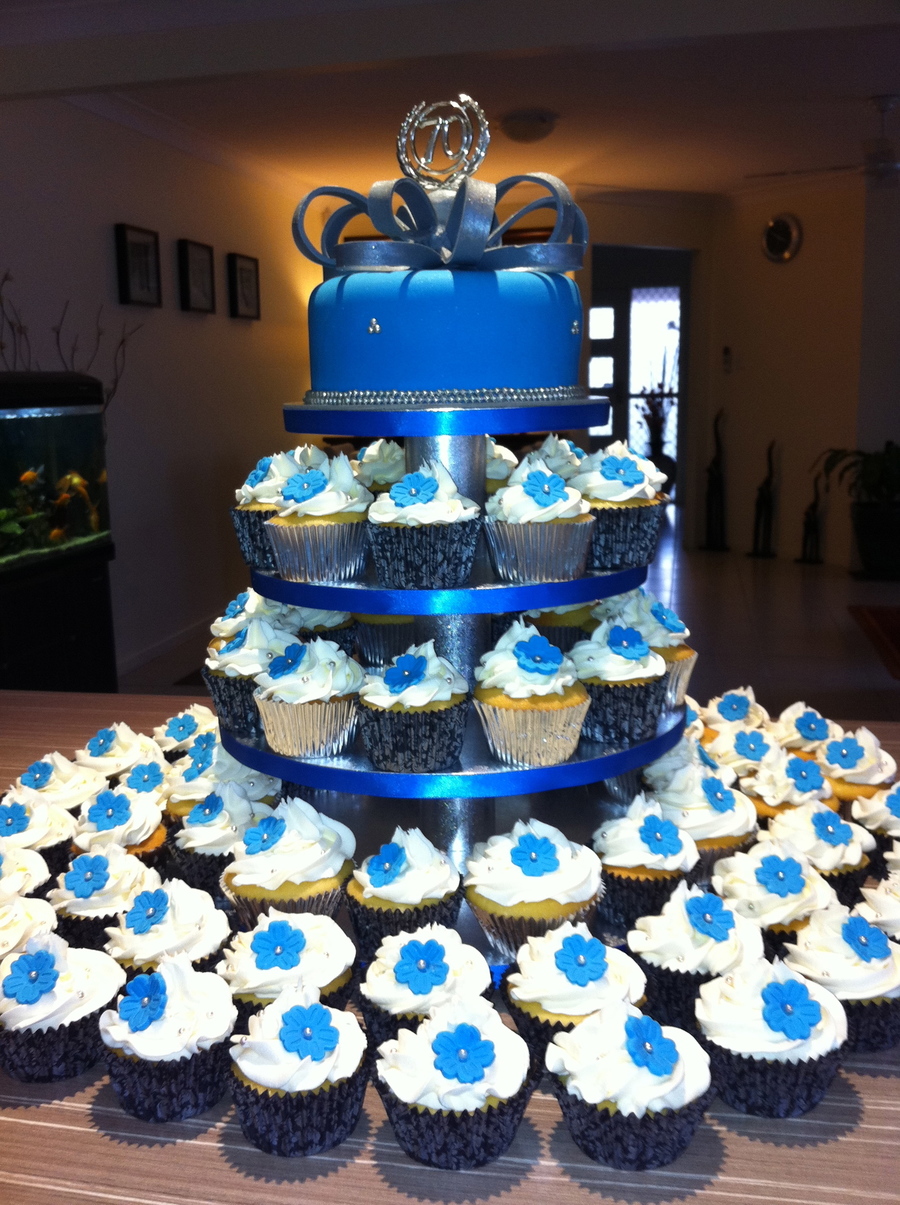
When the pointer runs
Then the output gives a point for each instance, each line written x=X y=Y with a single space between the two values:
x=243 y=285
x=196 y=277
x=137 y=265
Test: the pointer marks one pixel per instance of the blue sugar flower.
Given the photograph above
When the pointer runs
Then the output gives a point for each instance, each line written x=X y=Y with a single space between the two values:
x=278 y=946
x=235 y=643
x=180 y=727
x=384 y=866
x=101 y=743
x=255 y=476
x=892 y=803
x=733 y=707
x=361 y=454
x=308 y=1032
x=621 y=468
x=144 y=1001
x=201 y=761
x=718 y=795
x=667 y=618
x=421 y=966
x=413 y=488
x=831 y=829
x=202 y=813
x=145 y=778
x=660 y=836
x=709 y=916
x=845 y=753
x=689 y=716
x=267 y=833
x=205 y=742
x=751 y=745
x=88 y=874
x=109 y=811
x=579 y=452
x=781 y=876
x=149 y=908
x=237 y=605
x=288 y=662
x=811 y=726
x=706 y=759
x=582 y=960
x=628 y=643
x=13 y=819
x=805 y=775
x=789 y=1009
x=462 y=1054
x=538 y=656
x=409 y=670
x=648 y=1048
x=303 y=486
x=545 y=488
x=1 y=866
x=37 y=775
x=867 y=942
x=30 y=977
x=534 y=856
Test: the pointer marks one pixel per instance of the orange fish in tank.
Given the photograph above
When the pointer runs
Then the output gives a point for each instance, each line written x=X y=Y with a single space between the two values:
x=30 y=476
x=57 y=535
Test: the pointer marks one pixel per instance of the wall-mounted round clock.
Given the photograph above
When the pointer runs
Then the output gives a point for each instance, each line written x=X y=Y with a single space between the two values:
x=782 y=238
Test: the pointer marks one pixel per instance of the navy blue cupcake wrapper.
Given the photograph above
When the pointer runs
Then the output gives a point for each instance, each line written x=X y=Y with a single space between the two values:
x=538 y=1034
x=620 y=716
x=774 y=942
x=413 y=742
x=170 y=1090
x=58 y=858
x=846 y=883
x=253 y=539
x=34 y=1057
x=84 y=932
x=671 y=995
x=768 y=1088
x=381 y=1025
x=872 y=1026
x=625 y=899
x=203 y=871
x=625 y=536
x=234 y=703
x=372 y=925
x=300 y=1123
x=627 y=1142
x=380 y=643
x=437 y=556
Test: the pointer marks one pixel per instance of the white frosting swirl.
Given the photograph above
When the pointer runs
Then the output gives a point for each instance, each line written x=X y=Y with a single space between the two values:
x=619 y=841
x=426 y=874
x=261 y=643
x=323 y=672
x=468 y=974
x=283 y=466
x=343 y=493
x=538 y=980
x=593 y=1060
x=874 y=767
x=499 y=668
x=875 y=813
x=512 y=504
x=145 y=817
x=559 y=456
x=48 y=824
x=126 y=750
x=202 y=716
x=756 y=715
x=493 y=873
x=383 y=462
x=592 y=483
x=637 y=612
x=22 y=918
x=128 y=876
x=892 y=858
x=327 y=953
x=441 y=681
x=68 y=786
x=730 y=1013
x=797 y=827
x=407 y=1063
x=686 y=804
x=192 y=925
x=314 y=619
x=446 y=506
x=87 y=980
x=671 y=942
x=773 y=785
x=224 y=769
x=255 y=607
x=822 y=955
x=735 y=880
x=219 y=835
x=263 y=1059
x=500 y=461
x=659 y=774
x=21 y=870
x=725 y=748
x=199 y=1013
x=312 y=847
x=593 y=658
x=881 y=906
x=614 y=605
x=785 y=732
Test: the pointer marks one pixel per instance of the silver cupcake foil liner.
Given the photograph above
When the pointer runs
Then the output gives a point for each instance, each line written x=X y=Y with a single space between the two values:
x=248 y=911
x=507 y=933
x=678 y=676
x=319 y=552
x=538 y=552
x=520 y=737
x=308 y=729
x=380 y=643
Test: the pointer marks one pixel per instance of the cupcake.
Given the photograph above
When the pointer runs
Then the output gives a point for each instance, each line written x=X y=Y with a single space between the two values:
x=230 y=670
x=659 y=774
x=166 y=1042
x=169 y=920
x=98 y=886
x=51 y=998
x=667 y=635
x=632 y=1092
x=45 y=828
x=708 y=807
x=626 y=684
x=116 y=750
x=775 y=886
x=782 y=781
x=22 y=871
x=623 y=493
x=455 y=1088
x=644 y=858
x=299 y=1075
x=413 y=717
x=307 y=699
x=861 y=966
x=180 y=731
x=319 y=533
x=775 y=1039
x=538 y=529
x=880 y=814
x=407 y=884
x=295 y=860
x=22 y=918
x=522 y=883
x=257 y=500
x=423 y=532
x=562 y=977
x=692 y=940
x=836 y=849
x=738 y=706
x=127 y=817
x=309 y=622
x=563 y=626
x=241 y=611
x=57 y=781
x=802 y=729
x=202 y=847
x=856 y=766
x=382 y=638
x=285 y=950
x=499 y=463
x=742 y=750
x=880 y=905
x=412 y=973
x=560 y=456
x=207 y=768
x=528 y=699
x=379 y=465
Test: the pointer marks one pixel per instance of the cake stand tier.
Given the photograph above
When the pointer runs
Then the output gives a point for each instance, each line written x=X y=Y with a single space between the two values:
x=479 y=776
x=473 y=420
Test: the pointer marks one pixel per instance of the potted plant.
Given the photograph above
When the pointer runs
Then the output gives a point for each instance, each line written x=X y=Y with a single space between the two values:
x=873 y=479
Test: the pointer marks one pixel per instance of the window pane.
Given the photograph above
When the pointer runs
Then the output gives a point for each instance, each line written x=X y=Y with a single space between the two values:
x=600 y=372
x=655 y=329
x=601 y=322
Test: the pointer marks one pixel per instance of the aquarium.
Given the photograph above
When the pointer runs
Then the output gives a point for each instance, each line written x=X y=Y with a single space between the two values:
x=53 y=491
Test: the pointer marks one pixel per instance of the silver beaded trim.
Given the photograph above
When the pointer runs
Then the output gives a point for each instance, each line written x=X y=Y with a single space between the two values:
x=429 y=398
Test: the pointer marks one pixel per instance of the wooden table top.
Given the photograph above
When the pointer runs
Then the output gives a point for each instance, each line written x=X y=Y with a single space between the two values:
x=71 y=1143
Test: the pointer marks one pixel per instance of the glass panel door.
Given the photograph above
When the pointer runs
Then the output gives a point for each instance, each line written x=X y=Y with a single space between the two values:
x=655 y=345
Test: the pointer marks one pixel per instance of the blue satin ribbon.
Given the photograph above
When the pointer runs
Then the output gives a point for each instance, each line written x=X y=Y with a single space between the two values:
x=418 y=236
x=391 y=421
